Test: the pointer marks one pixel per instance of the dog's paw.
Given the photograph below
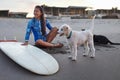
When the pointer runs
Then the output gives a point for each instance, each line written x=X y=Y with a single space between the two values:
x=74 y=59
x=92 y=56
x=70 y=57
x=84 y=55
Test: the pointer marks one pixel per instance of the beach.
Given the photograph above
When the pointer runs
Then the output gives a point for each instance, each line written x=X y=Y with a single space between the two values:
x=105 y=66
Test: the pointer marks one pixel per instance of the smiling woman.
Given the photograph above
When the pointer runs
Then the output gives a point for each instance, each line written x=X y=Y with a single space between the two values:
x=37 y=25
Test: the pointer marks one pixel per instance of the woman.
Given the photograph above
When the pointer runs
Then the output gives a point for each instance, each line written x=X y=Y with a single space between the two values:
x=37 y=25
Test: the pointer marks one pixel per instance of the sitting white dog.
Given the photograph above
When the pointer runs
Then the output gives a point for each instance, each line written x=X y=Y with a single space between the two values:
x=76 y=38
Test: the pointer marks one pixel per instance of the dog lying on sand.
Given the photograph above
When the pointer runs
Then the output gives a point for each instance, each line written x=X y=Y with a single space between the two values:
x=76 y=38
x=100 y=39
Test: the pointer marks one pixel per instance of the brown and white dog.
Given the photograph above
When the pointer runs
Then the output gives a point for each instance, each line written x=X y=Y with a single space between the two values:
x=76 y=38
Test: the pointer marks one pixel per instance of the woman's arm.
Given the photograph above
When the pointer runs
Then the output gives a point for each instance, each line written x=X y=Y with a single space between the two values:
x=48 y=25
x=28 y=31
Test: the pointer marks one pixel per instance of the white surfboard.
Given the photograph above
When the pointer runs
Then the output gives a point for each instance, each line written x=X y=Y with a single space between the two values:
x=30 y=57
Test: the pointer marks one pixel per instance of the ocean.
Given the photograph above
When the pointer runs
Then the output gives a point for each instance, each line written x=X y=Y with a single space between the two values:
x=12 y=27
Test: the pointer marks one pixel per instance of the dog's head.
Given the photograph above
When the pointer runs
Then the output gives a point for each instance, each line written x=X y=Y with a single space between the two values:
x=64 y=30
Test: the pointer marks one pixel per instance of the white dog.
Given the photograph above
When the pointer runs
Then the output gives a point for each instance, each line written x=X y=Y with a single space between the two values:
x=76 y=38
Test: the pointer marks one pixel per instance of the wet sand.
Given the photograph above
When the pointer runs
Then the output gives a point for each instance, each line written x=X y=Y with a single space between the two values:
x=105 y=66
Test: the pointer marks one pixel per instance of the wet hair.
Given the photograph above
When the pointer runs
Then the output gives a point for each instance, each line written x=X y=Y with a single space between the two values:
x=43 y=26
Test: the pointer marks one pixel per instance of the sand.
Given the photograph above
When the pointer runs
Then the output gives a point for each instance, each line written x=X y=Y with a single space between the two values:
x=105 y=66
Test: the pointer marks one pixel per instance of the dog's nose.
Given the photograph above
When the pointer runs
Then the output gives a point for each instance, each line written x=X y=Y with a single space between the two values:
x=58 y=31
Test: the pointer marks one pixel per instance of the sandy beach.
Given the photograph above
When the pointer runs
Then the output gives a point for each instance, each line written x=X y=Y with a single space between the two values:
x=105 y=66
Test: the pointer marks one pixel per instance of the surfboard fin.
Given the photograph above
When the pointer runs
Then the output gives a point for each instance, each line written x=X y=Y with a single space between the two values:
x=15 y=38
x=5 y=38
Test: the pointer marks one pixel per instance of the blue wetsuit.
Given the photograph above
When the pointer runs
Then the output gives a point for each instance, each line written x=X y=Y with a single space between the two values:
x=34 y=25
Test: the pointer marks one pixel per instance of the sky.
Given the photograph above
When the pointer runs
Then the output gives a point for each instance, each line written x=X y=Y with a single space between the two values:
x=28 y=5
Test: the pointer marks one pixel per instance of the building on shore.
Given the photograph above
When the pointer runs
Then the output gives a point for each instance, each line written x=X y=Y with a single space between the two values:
x=64 y=11
x=108 y=13
x=17 y=14
x=78 y=12
x=6 y=13
x=74 y=12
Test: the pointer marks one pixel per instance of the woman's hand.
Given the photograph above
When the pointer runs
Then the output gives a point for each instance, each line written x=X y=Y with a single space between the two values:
x=25 y=44
x=58 y=45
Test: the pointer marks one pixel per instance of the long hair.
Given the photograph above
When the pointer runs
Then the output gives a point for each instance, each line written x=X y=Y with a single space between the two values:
x=43 y=23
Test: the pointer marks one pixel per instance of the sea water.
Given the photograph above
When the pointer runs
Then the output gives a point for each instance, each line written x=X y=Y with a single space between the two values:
x=15 y=28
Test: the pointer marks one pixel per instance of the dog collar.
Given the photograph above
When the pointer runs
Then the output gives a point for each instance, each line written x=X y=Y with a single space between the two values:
x=69 y=35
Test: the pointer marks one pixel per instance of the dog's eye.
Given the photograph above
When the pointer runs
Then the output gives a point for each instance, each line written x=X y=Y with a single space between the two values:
x=61 y=29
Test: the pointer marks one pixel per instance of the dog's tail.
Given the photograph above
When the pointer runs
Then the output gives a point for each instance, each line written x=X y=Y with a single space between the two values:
x=92 y=26
x=114 y=43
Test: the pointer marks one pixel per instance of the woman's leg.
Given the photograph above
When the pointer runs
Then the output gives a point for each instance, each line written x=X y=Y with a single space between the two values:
x=43 y=44
x=52 y=34
x=50 y=37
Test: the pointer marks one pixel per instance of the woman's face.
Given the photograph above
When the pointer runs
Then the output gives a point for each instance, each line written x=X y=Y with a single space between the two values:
x=37 y=13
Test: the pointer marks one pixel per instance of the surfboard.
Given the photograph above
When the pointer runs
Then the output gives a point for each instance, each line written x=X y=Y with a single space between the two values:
x=30 y=58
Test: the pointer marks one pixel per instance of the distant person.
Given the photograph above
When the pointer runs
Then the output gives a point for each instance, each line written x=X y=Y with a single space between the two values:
x=38 y=25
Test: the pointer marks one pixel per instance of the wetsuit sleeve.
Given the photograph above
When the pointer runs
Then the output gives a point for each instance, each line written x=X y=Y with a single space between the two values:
x=28 y=31
x=48 y=25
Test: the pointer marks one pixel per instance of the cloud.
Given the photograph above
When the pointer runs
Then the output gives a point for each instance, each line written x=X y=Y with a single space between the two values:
x=26 y=2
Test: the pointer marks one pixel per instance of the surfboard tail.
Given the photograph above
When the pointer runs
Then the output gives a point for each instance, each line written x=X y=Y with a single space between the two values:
x=12 y=40
x=8 y=41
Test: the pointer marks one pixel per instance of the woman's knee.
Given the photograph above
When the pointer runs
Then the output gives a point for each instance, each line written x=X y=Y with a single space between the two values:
x=38 y=42
x=55 y=28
